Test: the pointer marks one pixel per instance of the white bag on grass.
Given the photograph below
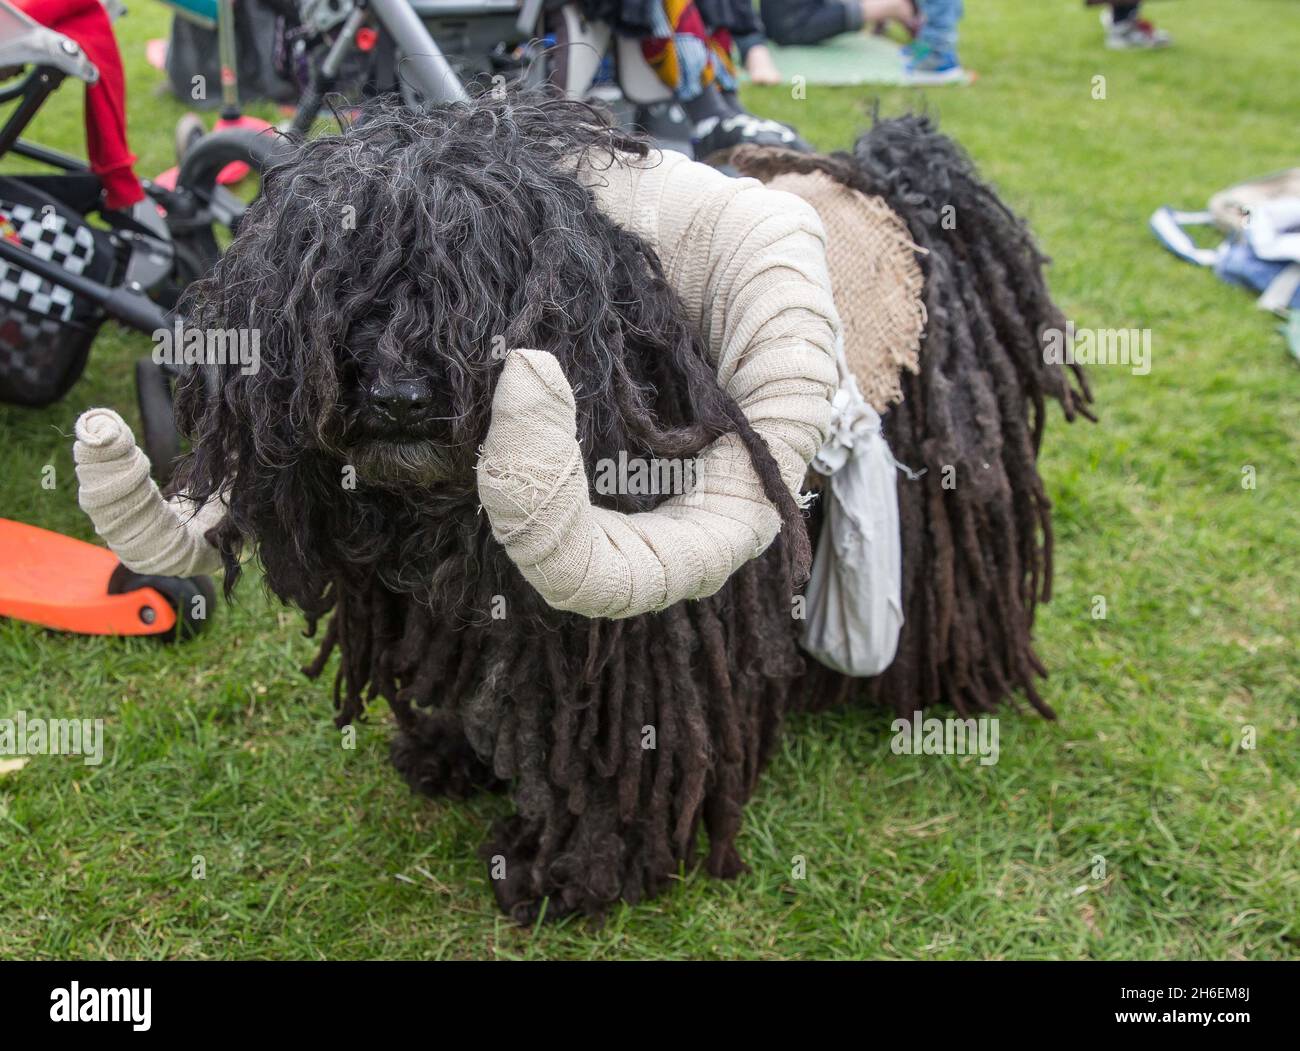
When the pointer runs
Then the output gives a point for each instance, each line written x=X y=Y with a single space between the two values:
x=854 y=599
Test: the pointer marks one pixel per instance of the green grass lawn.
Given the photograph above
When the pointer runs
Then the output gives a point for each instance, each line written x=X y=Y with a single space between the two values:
x=1137 y=826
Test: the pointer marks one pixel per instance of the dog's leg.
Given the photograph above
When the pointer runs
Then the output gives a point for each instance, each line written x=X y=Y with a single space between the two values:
x=614 y=778
x=447 y=675
x=590 y=829
x=434 y=757
x=564 y=864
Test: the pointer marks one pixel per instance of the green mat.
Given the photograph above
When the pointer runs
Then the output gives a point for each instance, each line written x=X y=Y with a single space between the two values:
x=850 y=58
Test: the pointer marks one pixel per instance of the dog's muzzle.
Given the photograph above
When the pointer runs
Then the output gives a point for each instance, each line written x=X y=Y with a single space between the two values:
x=399 y=407
x=397 y=435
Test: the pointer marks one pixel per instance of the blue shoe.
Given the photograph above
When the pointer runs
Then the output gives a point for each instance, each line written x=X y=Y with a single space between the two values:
x=926 y=66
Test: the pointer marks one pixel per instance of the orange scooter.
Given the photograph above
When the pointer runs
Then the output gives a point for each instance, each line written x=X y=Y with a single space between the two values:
x=63 y=583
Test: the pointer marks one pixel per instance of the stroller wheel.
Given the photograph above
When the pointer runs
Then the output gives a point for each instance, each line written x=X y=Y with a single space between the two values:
x=162 y=443
x=189 y=129
x=205 y=158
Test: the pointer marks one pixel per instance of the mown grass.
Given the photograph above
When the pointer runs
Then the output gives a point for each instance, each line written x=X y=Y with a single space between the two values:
x=1135 y=827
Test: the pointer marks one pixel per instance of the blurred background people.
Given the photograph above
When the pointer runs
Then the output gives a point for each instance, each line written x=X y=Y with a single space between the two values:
x=689 y=45
x=1127 y=30
x=932 y=57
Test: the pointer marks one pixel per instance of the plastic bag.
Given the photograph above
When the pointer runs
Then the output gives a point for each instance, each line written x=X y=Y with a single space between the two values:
x=854 y=597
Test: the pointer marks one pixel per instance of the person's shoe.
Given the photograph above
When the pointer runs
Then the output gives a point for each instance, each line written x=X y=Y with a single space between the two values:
x=923 y=66
x=1133 y=34
x=715 y=135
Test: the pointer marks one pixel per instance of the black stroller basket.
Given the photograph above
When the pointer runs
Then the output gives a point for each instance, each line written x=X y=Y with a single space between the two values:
x=46 y=328
x=61 y=276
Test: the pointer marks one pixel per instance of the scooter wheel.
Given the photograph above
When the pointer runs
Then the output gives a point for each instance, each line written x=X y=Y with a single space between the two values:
x=181 y=593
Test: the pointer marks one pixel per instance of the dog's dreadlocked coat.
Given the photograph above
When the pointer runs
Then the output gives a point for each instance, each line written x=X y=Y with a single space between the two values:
x=621 y=664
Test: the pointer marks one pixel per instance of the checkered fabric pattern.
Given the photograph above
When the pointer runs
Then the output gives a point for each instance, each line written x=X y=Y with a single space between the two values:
x=35 y=348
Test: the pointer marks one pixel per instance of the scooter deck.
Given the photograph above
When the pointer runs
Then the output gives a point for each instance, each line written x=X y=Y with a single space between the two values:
x=60 y=582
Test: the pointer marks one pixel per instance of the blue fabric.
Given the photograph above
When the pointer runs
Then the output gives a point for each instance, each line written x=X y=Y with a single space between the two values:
x=1239 y=265
x=927 y=64
x=204 y=10
x=939 y=28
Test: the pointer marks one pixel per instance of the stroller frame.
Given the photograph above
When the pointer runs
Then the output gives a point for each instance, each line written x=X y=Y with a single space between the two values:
x=52 y=58
x=159 y=245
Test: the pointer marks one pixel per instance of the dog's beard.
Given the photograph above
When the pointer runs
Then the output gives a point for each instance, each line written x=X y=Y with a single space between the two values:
x=402 y=463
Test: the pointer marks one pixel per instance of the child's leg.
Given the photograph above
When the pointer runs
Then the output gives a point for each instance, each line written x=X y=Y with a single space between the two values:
x=939 y=24
x=86 y=22
x=758 y=61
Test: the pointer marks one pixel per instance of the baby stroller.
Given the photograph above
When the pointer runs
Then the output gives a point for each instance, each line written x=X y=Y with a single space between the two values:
x=61 y=276
x=428 y=50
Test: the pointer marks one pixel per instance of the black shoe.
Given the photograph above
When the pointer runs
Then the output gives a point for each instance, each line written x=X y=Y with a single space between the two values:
x=724 y=134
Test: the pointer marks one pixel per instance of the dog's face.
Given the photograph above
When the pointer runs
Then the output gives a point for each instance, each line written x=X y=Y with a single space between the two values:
x=397 y=418
x=388 y=271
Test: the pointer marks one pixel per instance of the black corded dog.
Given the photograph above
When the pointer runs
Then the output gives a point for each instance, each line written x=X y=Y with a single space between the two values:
x=386 y=269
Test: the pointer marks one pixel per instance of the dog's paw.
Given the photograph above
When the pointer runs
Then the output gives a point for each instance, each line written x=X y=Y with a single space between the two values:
x=586 y=873
x=441 y=764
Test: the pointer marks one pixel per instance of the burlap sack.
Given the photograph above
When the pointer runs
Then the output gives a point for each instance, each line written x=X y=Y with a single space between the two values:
x=876 y=279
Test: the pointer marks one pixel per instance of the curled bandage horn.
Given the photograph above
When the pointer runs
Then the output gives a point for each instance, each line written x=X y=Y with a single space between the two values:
x=148 y=533
x=533 y=484
x=750 y=267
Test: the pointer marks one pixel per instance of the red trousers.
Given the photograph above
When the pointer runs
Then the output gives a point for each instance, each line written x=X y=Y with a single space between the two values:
x=86 y=22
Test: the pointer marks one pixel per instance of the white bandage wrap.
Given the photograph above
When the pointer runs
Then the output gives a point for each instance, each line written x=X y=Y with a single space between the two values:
x=149 y=534
x=749 y=265
x=533 y=485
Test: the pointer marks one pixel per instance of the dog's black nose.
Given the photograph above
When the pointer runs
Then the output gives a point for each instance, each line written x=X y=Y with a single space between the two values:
x=401 y=402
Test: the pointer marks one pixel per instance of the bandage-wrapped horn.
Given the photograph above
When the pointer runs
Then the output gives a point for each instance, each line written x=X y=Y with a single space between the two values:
x=147 y=532
x=750 y=267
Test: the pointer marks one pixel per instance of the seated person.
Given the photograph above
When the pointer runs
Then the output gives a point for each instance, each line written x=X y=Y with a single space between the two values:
x=812 y=21
x=689 y=45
